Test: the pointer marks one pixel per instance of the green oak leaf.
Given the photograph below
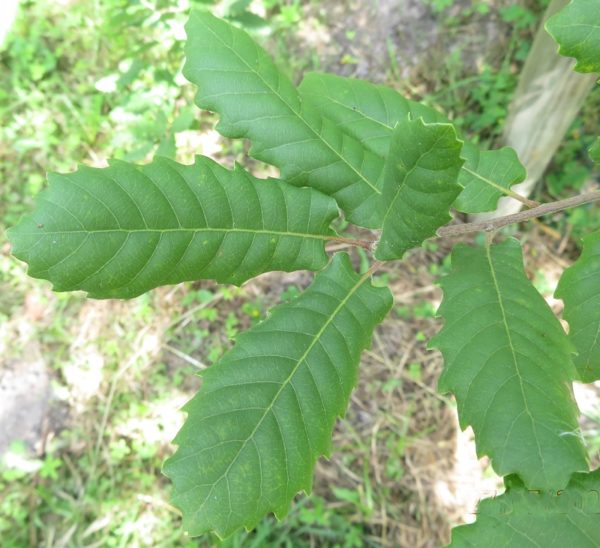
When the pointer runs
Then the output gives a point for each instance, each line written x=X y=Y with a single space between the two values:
x=485 y=176
x=370 y=112
x=508 y=362
x=125 y=229
x=576 y=28
x=266 y=410
x=595 y=151
x=419 y=186
x=366 y=111
x=237 y=79
x=579 y=288
x=526 y=518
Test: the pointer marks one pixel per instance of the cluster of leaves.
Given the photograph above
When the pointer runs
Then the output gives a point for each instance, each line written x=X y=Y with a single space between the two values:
x=266 y=410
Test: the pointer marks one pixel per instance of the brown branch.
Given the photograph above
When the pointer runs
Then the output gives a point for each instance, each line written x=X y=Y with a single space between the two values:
x=495 y=224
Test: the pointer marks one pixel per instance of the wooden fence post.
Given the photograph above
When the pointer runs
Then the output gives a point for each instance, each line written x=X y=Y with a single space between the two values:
x=546 y=101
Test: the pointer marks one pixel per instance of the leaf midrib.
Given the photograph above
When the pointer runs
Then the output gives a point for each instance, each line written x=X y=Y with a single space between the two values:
x=497 y=186
x=585 y=25
x=359 y=111
x=493 y=184
x=404 y=184
x=512 y=349
x=294 y=111
x=182 y=229
x=287 y=381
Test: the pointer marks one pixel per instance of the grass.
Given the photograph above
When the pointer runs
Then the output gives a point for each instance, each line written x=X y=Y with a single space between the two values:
x=75 y=82
x=77 y=85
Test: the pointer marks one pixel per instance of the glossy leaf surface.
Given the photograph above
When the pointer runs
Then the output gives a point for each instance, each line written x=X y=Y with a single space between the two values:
x=508 y=362
x=266 y=410
x=532 y=518
x=420 y=185
x=485 y=176
x=579 y=288
x=370 y=112
x=238 y=80
x=576 y=28
x=367 y=111
x=125 y=229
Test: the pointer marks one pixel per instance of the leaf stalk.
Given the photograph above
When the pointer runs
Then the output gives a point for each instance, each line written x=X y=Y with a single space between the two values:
x=365 y=244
